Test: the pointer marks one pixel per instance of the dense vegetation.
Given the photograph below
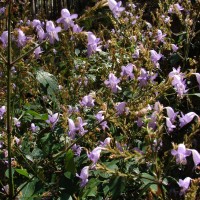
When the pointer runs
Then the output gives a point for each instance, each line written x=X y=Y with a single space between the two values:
x=104 y=105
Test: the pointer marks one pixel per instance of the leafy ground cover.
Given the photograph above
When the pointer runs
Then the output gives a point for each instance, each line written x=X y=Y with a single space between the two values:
x=101 y=106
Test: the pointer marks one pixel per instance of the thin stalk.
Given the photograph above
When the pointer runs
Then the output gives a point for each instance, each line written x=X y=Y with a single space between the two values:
x=9 y=120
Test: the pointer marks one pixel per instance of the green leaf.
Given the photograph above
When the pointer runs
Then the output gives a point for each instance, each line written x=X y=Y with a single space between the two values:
x=22 y=172
x=69 y=162
x=49 y=82
x=117 y=186
x=27 y=191
x=195 y=94
x=7 y=172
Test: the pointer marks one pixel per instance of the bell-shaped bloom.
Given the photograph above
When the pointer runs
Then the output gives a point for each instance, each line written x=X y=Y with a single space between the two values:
x=93 y=43
x=22 y=39
x=76 y=149
x=72 y=128
x=37 y=52
x=112 y=82
x=143 y=78
x=16 y=121
x=136 y=53
x=178 y=81
x=94 y=155
x=115 y=7
x=106 y=142
x=187 y=118
x=76 y=28
x=121 y=108
x=4 y=38
x=184 y=184
x=52 y=31
x=160 y=36
x=169 y=124
x=87 y=101
x=127 y=71
x=53 y=119
x=80 y=126
x=35 y=23
x=181 y=153
x=99 y=116
x=40 y=33
x=2 y=111
x=66 y=18
x=34 y=128
x=171 y=114
x=153 y=121
x=2 y=10
x=84 y=176
x=174 y=47
x=155 y=57
x=195 y=156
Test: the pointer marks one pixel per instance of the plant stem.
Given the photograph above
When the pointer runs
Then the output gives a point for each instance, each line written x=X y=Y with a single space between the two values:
x=9 y=120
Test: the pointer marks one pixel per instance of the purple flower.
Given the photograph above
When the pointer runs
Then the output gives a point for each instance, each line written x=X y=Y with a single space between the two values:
x=178 y=7
x=112 y=82
x=160 y=37
x=171 y=114
x=181 y=154
x=153 y=121
x=84 y=176
x=22 y=39
x=187 y=118
x=2 y=111
x=4 y=38
x=76 y=28
x=17 y=123
x=2 y=10
x=93 y=43
x=198 y=78
x=34 y=128
x=72 y=129
x=99 y=116
x=87 y=101
x=35 y=23
x=175 y=7
x=77 y=149
x=40 y=33
x=155 y=57
x=143 y=78
x=121 y=108
x=80 y=126
x=184 y=184
x=115 y=7
x=178 y=81
x=169 y=124
x=53 y=119
x=94 y=155
x=37 y=52
x=52 y=31
x=195 y=156
x=66 y=18
x=136 y=53
x=106 y=142
x=127 y=71
x=174 y=47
